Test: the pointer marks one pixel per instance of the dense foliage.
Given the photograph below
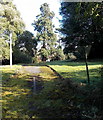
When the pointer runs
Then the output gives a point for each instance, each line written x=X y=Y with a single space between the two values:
x=26 y=47
x=27 y=43
x=45 y=32
x=10 y=21
x=82 y=25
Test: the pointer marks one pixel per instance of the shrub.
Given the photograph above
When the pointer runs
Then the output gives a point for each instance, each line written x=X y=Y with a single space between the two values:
x=58 y=55
x=20 y=57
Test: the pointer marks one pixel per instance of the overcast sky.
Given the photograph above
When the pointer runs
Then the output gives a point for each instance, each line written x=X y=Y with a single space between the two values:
x=30 y=8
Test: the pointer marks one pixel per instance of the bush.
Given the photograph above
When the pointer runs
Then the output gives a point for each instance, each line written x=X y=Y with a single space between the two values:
x=44 y=53
x=36 y=59
x=71 y=56
x=58 y=55
x=20 y=57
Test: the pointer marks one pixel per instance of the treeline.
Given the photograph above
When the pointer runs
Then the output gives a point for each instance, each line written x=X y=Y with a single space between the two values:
x=81 y=28
x=25 y=44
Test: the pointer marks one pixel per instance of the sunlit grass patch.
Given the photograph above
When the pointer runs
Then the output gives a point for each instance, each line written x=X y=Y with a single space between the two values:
x=15 y=90
x=47 y=73
x=18 y=100
x=49 y=79
x=77 y=70
x=7 y=67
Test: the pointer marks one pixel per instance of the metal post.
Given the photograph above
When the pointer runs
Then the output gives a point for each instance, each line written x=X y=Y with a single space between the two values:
x=87 y=69
x=11 y=50
x=87 y=65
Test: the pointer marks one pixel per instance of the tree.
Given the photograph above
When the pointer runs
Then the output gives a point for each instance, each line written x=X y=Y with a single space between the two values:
x=82 y=24
x=27 y=43
x=10 y=20
x=58 y=54
x=45 y=34
x=26 y=47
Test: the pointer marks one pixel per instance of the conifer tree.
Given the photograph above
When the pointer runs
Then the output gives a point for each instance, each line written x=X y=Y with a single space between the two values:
x=45 y=33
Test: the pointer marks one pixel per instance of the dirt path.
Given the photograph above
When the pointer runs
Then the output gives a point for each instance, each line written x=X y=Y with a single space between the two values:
x=31 y=69
x=36 y=80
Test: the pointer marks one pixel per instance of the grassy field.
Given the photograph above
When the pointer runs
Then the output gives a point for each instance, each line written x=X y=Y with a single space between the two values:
x=76 y=71
x=57 y=98
x=18 y=99
x=89 y=104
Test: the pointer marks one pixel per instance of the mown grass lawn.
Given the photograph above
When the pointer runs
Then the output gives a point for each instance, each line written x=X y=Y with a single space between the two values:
x=76 y=71
x=56 y=99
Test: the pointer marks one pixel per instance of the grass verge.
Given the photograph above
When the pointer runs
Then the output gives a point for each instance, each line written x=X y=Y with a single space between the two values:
x=77 y=71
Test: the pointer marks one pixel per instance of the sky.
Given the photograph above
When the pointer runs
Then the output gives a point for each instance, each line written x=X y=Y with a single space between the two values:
x=29 y=9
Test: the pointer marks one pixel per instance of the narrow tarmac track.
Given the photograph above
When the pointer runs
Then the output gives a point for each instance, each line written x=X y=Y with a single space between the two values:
x=31 y=69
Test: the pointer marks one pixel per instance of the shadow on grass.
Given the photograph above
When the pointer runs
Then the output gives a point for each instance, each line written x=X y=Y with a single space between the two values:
x=55 y=100
x=73 y=63
x=19 y=101
x=65 y=63
x=16 y=95
x=80 y=76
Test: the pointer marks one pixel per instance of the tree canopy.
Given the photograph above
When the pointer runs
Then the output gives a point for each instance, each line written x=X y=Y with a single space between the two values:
x=45 y=33
x=82 y=24
x=27 y=43
x=10 y=21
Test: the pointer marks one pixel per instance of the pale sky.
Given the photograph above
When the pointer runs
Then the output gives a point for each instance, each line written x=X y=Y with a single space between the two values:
x=29 y=9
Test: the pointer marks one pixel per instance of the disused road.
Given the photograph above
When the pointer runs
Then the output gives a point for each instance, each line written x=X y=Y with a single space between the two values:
x=31 y=69
x=34 y=70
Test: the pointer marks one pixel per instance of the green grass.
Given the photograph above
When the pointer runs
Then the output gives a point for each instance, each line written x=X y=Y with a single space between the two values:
x=18 y=99
x=47 y=102
x=56 y=99
x=15 y=93
x=77 y=70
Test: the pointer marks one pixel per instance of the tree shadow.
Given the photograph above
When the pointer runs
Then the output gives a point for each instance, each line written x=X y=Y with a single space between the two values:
x=73 y=63
x=80 y=76
x=16 y=95
x=54 y=99
x=19 y=101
